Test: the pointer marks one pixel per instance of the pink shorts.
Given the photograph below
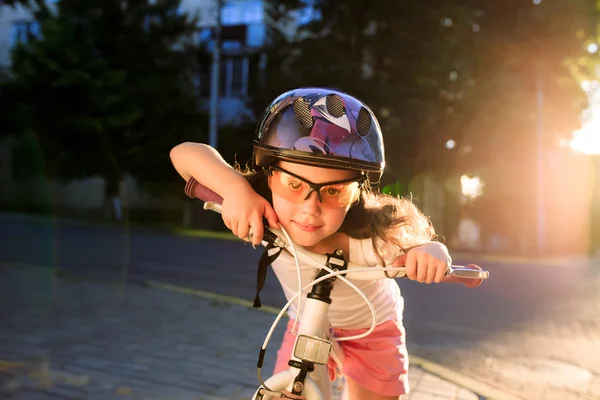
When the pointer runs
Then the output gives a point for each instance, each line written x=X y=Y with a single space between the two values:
x=378 y=362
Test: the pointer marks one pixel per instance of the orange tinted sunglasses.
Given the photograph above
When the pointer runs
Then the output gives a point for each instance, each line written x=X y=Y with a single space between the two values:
x=296 y=189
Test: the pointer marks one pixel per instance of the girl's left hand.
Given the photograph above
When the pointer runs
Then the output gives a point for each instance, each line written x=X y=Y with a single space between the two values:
x=428 y=263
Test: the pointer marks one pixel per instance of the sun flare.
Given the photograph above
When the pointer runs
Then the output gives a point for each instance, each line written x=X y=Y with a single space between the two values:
x=587 y=139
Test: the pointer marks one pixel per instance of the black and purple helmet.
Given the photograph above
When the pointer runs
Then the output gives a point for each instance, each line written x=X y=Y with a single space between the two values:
x=321 y=127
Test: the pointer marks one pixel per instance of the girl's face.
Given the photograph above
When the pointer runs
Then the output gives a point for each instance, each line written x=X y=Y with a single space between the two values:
x=311 y=220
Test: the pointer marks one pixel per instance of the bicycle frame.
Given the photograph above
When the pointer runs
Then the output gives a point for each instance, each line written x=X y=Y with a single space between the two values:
x=308 y=377
x=294 y=383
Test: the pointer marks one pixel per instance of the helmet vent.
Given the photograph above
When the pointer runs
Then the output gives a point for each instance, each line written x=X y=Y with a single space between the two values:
x=363 y=122
x=335 y=105
x=302 y=111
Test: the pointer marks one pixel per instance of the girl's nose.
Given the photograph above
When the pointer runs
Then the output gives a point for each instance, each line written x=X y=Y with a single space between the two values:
x=312 y=205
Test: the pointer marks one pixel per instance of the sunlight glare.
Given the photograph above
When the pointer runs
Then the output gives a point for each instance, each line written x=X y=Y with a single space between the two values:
x=587 y=139
x=471 y=187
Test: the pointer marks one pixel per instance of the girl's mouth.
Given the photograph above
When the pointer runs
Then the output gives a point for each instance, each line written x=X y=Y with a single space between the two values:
x=306 y=227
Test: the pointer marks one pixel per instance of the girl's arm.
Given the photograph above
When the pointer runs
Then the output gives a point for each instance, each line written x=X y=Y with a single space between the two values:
x=243 y=208
x=206 y=165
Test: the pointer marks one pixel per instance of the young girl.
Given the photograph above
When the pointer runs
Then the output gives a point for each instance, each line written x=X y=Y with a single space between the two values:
x=316 y=153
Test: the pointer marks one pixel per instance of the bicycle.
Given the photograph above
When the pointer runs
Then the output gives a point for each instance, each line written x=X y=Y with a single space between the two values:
x=307 y=377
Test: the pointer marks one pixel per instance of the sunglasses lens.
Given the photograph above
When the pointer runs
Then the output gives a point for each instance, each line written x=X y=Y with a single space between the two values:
x=290 y=188
x=340 y=195
x=295 y=190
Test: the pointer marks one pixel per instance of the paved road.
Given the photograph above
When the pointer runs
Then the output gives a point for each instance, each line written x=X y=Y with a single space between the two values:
x=84 y=340
x=533 y=330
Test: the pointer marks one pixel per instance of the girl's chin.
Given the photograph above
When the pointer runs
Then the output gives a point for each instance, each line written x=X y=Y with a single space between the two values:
x=304 y=239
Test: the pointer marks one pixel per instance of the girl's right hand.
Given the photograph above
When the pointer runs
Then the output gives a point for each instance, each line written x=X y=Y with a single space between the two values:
x=246 y=210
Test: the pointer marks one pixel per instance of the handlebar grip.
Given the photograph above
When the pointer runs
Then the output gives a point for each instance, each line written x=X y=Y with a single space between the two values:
x=465 y=272
x=196 y=190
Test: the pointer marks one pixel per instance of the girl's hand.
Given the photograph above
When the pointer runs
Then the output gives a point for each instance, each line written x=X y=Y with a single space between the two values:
x=246 y=210
x=427 y=263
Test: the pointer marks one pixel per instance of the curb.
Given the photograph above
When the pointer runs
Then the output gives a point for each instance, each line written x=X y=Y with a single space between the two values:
x=481 y=389
x=202 y=234
x=210 y=296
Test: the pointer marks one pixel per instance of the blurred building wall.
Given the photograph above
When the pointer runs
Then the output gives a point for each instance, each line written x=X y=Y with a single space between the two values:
x=507 y=209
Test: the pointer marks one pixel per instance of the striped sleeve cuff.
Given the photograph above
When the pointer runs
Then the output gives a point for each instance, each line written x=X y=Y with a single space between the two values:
x=190 y=188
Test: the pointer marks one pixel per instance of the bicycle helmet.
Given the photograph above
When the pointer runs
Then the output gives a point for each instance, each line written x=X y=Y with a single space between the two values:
x=320 y=127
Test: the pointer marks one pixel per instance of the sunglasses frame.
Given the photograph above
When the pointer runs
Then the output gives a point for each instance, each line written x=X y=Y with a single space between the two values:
x=316 y=187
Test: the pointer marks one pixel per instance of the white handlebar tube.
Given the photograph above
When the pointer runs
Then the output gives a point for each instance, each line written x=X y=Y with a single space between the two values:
x=355 y=271
x=360 y=273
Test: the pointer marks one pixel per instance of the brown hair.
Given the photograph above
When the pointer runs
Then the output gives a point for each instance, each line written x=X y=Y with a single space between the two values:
x=376 y=216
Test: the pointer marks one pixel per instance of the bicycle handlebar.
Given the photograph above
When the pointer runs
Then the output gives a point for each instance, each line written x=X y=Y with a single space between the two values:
x=355 y=271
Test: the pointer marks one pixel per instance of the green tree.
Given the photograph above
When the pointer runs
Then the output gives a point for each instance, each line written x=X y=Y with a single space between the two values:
x=108 y=89
x=386 y=53
x=511 y=76
x=436 y=70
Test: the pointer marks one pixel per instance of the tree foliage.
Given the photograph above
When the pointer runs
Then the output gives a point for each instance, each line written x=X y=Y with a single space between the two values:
x=107 y=89
x=432 y=70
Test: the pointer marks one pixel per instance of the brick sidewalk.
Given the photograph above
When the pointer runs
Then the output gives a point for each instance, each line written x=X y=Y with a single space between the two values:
x=65 y=339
